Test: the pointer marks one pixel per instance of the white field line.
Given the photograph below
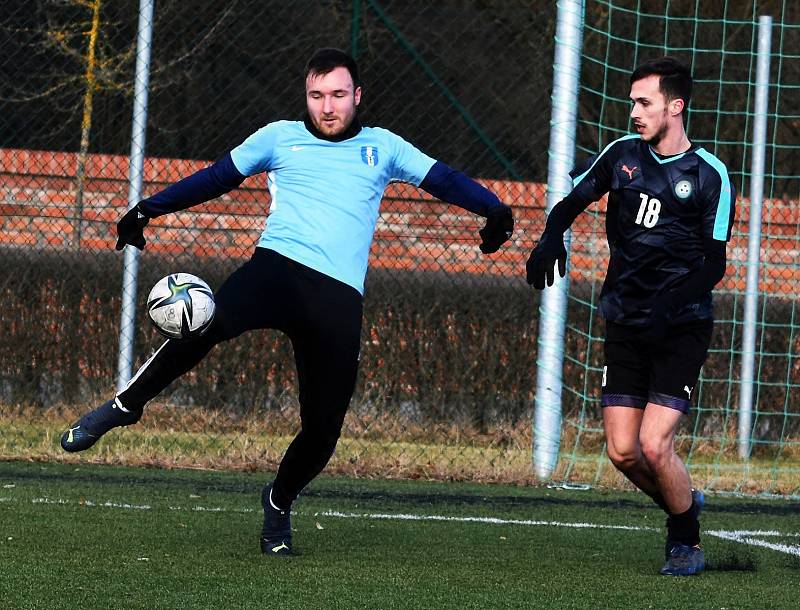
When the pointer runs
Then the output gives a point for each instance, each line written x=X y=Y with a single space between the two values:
x=744 y=537
x=740 y=536
x=106 y=504
x=747 y=537
x=489 y=520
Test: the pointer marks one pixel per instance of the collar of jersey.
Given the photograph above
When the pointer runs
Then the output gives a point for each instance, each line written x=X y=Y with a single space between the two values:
x=353 y=130
x=671 y=158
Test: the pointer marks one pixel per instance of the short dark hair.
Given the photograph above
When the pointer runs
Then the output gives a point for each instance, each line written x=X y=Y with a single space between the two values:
x=675 y=80
x=325 y=60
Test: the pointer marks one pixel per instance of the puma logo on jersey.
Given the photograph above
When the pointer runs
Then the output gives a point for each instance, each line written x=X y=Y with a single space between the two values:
x=688 y=391
x=629 y=170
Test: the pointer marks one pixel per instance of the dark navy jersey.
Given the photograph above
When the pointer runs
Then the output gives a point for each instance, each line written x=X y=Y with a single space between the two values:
x=660 y=210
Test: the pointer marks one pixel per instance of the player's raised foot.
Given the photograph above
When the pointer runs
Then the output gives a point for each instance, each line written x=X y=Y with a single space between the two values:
x=684 y=560
x=88 y=429
x=276 y=533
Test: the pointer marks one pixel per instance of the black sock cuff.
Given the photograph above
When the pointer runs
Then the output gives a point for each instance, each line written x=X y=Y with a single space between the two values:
x=684 y=527
x=280 y=499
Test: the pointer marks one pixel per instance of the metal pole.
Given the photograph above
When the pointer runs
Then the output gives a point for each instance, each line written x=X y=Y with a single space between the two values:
x=135 y=168
x=553 y=309
x=746 y=389
x=355 y=28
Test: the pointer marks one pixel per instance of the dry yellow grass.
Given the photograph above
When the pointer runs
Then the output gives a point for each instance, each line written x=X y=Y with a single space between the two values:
x=372 y=445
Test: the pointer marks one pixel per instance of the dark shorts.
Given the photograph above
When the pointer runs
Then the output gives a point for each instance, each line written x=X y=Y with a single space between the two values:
x=664 y=373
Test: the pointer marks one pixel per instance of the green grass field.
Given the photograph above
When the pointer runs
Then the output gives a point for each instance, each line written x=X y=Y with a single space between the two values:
x=85 y=536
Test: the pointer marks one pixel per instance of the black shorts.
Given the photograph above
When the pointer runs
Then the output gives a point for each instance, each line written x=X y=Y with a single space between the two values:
x=664 y=373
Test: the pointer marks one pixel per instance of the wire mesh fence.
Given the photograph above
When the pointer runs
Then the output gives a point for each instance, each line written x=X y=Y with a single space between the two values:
x=447 y=374
x=442 y=322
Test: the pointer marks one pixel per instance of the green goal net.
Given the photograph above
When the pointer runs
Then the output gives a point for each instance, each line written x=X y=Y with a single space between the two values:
x=719 y=41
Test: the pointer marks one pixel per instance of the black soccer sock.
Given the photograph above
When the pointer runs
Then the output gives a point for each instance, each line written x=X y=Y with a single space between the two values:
x=170 y=361
x=279 y=499
x=684 y=527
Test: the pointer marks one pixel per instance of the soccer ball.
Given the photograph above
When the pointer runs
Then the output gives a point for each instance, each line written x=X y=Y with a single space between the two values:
x=181 y=306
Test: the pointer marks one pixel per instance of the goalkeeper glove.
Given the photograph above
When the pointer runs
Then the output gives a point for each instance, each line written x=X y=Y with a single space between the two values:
x=544 y=256
x=498 y=229
x=129 y=229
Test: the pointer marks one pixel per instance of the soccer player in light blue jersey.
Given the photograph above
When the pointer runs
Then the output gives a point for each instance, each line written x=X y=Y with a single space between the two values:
x=326 y=176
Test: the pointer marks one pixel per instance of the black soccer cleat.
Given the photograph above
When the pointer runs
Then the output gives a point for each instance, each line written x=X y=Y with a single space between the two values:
x=276 y=533
x=88 y=429
x=684 y=560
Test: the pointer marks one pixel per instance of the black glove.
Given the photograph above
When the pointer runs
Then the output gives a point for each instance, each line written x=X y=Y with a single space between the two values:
x=129 y=229
x=498 y=229
x=543 y=258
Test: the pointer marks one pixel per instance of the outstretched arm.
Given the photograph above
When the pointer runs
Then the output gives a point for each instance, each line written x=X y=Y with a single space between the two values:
x=204 y=185
x=550 y=248
x=452 y=186
x=591 y=180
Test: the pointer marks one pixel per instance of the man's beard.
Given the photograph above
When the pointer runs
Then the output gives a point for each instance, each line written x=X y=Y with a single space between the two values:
x=340 y=127
x=659 y=135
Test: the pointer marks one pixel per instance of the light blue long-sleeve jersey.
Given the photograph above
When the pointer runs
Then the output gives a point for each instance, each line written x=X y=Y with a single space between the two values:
x=326 y=195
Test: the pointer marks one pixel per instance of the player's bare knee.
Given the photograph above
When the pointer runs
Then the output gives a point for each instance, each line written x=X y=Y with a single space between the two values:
x=657 y=452
x=624 y=460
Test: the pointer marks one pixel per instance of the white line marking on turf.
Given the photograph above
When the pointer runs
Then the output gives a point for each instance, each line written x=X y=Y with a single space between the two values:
x=747 y=537
x=93 y=504
x=49 y=501
x=489 y=520
x=758 y=533
x=215 y=509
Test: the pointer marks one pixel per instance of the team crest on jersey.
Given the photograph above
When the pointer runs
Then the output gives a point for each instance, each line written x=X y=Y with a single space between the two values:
x=683 y=189
x=369 y=155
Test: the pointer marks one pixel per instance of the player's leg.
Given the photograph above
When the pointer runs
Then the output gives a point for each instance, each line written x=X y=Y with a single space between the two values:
x=676 y=368
x=326 y=343
x=684 y=557
x=244 y=301
x=657 y=439
x=624 y=397
x=621 y=425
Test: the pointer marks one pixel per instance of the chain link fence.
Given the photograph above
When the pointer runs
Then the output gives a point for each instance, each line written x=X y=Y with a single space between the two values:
x=448 y=345
x=447 y=375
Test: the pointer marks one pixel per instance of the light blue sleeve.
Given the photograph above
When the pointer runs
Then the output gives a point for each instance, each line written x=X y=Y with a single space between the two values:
x=255 y=154
x=720 y=197
x=409 y=163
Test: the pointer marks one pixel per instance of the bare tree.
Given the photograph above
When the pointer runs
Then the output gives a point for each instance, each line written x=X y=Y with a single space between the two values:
x=83 y=61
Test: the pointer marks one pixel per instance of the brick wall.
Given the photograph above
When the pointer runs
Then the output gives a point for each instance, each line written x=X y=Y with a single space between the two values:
x=38 y=210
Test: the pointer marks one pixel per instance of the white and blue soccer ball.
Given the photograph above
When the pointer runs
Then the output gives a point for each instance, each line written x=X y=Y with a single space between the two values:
x=181 y=306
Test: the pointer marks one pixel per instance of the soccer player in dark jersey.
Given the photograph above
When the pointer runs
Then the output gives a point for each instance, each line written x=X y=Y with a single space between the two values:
x=326 y=175
x=669 y=218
